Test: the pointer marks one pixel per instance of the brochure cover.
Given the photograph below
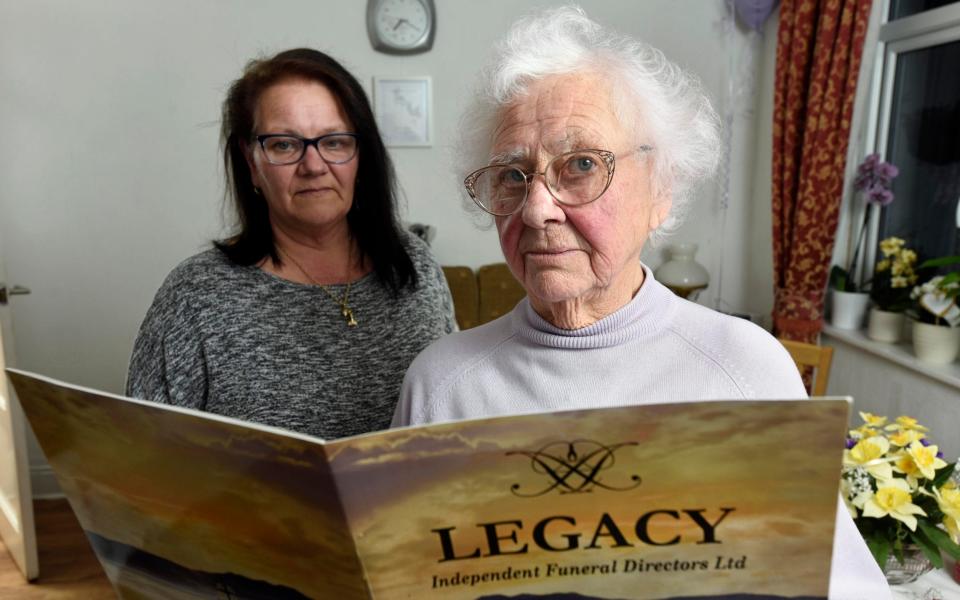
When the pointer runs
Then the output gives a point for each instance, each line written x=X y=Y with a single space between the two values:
x=720 y=499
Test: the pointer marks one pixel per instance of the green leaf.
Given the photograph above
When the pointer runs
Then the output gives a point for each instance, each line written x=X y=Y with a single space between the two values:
x=940 y=262
x=942 y=475
x=941 y=539
x=949 y=278
x=838 y=278
x=879 y=546
x=928 y=547
x=949 y=547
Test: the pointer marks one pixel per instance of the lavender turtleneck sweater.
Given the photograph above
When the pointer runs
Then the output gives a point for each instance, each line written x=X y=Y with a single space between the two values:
x=657 y=349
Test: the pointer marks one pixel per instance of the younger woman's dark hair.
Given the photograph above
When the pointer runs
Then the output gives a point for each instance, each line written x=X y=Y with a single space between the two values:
x=372 y=218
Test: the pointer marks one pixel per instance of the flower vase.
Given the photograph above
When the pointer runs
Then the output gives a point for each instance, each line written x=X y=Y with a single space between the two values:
x=935 y=344
x=848 y=309
x=681 y=273
x=884 y=326
x=914 y=564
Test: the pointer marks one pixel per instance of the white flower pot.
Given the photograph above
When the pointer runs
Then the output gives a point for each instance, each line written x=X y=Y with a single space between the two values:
x=848 y=309
x=884 y=326
x=935 y=344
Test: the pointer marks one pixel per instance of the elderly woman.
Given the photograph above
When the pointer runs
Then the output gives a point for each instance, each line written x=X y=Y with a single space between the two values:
x=309 y=315
x=590 y=145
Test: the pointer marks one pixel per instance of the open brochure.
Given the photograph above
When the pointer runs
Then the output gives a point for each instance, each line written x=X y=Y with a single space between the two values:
x=687 y=500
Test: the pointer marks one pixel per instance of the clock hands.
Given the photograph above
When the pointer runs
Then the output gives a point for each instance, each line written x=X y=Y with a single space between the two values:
x=402 y=21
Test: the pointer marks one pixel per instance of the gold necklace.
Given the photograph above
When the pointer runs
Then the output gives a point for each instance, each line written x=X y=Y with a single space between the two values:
x=345 y=309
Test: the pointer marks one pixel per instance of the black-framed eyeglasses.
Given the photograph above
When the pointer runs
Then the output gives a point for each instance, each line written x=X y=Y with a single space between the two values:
x=286 y=149
x=573 y=179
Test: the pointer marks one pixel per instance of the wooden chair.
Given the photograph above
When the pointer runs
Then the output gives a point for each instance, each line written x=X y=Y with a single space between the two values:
x=499 y=291
x=812 y=356
x=482 y=296
x=466 y=296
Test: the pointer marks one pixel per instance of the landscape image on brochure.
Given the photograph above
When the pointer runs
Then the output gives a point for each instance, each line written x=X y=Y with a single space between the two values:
x=701 y=500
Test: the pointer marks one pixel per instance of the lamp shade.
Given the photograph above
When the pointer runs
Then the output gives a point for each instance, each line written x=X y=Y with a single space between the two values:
x=681 y=273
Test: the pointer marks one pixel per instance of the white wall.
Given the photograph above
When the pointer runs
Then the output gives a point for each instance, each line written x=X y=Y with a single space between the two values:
x=110 y=166
x=110 y=171
x=884 y=387
x=759 y=227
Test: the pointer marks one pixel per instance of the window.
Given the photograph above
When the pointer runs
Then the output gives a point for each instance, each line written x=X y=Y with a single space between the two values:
x=905 y=8
x=919 y=123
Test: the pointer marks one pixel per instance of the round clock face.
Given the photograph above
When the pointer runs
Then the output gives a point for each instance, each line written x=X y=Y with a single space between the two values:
x=402 y=23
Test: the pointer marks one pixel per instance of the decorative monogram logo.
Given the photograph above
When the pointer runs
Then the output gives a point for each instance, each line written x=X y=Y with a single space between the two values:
x=573 y=467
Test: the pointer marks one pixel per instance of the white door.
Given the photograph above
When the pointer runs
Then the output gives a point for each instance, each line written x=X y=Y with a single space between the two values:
x=16 y=497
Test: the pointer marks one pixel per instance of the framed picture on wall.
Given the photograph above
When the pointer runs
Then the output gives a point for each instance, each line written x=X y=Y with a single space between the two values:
x=404 y=110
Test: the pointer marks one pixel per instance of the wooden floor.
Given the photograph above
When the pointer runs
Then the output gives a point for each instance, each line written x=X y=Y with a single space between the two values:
x=68 y=567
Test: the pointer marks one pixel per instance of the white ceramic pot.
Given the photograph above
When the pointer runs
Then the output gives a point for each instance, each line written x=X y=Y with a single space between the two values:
x=935 y=344
x=884 y=326
x=848 y=309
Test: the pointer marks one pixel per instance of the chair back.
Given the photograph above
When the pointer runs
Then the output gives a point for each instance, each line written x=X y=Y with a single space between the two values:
x=483 y=296
x=499 y=291
x=466 y=297
x=812 y=356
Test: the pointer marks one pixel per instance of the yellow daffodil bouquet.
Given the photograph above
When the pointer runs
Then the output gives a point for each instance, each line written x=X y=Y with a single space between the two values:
x=900 y=491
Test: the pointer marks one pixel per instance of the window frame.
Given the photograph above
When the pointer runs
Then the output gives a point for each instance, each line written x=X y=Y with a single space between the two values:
x=922 y=30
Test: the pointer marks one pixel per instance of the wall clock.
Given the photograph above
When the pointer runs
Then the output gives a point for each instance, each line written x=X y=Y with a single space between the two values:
x=401 y=26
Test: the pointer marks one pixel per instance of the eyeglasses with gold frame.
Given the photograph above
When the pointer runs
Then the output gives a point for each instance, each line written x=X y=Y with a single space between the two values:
x=573 y=179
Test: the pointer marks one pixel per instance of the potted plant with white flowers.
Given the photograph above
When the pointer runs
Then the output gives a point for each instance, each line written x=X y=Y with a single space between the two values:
x=893 y=280
x=936 y=326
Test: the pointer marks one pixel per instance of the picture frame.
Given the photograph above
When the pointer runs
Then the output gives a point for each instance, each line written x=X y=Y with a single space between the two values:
x=403 y=107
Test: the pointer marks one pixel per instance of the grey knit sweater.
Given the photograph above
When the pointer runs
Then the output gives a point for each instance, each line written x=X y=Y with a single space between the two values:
x=240 y=342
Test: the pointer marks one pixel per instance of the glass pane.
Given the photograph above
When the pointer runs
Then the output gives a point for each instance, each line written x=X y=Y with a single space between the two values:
x=924 y=143
x=905 y=8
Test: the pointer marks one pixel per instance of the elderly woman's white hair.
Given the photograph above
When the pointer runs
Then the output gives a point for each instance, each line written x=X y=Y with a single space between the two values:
x=649 y=90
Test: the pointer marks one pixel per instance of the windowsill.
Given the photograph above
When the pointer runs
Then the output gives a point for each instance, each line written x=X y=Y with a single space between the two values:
x=901 y=354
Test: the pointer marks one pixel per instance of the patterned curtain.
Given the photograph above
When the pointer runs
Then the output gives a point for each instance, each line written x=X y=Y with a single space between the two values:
x=819 y=45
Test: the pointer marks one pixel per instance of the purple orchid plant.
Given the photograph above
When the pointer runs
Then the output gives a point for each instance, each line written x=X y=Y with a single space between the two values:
x=874 y=179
